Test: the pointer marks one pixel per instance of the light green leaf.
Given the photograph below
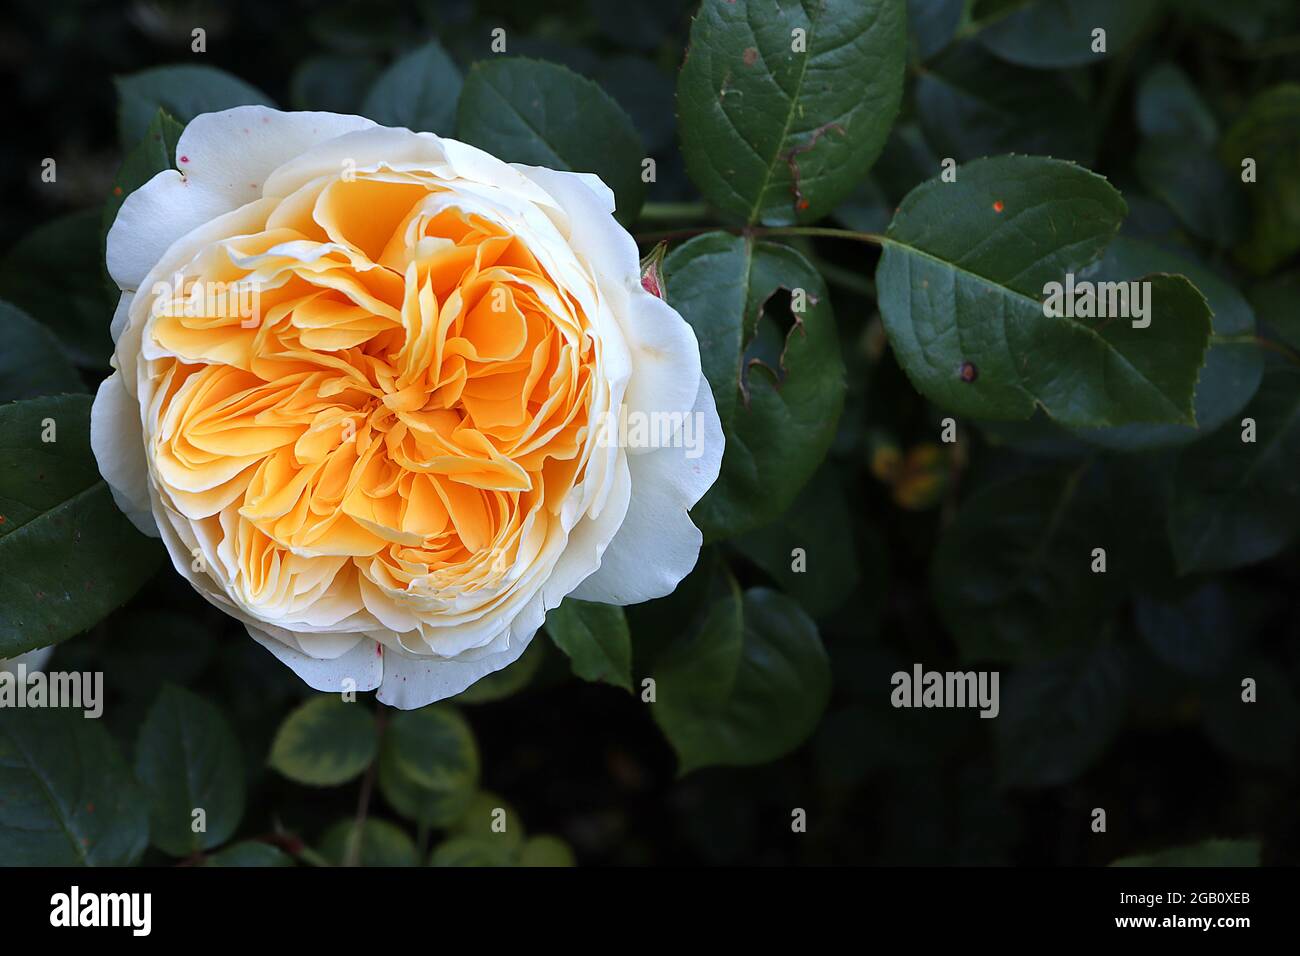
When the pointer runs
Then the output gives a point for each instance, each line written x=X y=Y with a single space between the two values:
x=961 y=282
x=745 y=687
x=66 y=796
x=474 y=851
x=33 y=362
x=249 y=853
x=776 y=374
x=1209 y=853
x=489 y=816
x=546 y=850
x=187 y=759
x=373 y=843
x=183 y=91
x=595 y=638
x=1268 y=132
x=325 y=742
x=774 y=133
x=1235 y=502
x=67 y=555
x=419 y=91
x=429 y=767
x=542 y=114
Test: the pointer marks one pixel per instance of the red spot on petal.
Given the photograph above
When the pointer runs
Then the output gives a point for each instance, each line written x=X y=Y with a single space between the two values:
x=997 y=206
x=185 y=159
x=379 y=650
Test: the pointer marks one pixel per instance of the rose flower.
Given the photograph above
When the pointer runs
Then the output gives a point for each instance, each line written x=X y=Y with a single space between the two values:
x=371 y=389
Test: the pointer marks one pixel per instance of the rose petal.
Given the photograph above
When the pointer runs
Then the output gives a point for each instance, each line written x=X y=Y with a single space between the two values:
x=657 y=544
x=118 y=444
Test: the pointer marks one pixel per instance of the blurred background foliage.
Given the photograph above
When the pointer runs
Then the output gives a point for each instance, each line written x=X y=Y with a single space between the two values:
x=1123 y=691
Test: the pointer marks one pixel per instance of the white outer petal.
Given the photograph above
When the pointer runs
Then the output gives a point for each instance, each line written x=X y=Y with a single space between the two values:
x=363 y=664
x=225 y=159
x=118 y=443
x=657 y=544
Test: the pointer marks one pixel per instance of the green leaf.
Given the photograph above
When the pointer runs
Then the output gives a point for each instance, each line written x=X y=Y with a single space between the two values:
x=34 y=277
x=1234 y=364
x=325 y=742
x=429 y=767
x=154 y=153
x=187 y=759
x=1269 y=133
x=820 y=524
x=183 y=91
x=932 y=24
x=1195 y=631
x=1208 y=853
x=747 y=686
x=249 y=853
x=1168 y=104
x=1207 y=199
x=33 y=362
x=1059 y=715
x=1277 y=302
x=753 y=110
x=475 y=851
x=485 y=811
x=971 y=104
x=67 y=555
x=960 y=281
x=546 y=850
x=1263 y=731
x=779 y=390
x=373 y=843
x=1012 y=576
x=542 y=114
x=508 y=681
x=333 y=83
x=1049 y=34
x=595 y=638
x=66 y=796
x=1234 y=502
x=419 y=91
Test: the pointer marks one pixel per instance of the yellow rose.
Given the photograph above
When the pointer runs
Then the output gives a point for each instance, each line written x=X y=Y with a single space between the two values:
x=388 y=400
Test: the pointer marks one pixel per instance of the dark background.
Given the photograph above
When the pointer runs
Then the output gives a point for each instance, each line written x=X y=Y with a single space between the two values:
x=586 y=761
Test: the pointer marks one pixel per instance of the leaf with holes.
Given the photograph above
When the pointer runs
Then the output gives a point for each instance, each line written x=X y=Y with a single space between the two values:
x=778 y=390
